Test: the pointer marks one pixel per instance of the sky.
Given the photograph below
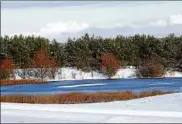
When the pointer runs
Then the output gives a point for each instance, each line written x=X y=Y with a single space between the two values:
x=62 y=19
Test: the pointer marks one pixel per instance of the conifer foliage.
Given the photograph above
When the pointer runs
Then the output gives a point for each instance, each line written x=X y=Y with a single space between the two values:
x=85 y=52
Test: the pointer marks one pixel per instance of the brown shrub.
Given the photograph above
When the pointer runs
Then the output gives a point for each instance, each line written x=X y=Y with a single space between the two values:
x=151 y=67
x=110 y=64
x=6 y=69
x=73 y=98
x=22 y=81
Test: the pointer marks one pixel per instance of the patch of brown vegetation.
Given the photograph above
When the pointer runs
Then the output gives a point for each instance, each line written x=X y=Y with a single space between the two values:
x=22 y=81
x=151 y=67
x=73 y=98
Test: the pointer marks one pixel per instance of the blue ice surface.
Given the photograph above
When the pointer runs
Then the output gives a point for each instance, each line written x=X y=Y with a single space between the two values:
x=101 y=85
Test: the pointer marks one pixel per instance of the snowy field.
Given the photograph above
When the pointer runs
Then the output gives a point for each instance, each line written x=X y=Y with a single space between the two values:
x=165 y=108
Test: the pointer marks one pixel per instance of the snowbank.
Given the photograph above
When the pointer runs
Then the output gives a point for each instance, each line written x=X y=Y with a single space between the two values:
x=75 y=74
x=173 y=74
x=125 y=73
x=166 y=108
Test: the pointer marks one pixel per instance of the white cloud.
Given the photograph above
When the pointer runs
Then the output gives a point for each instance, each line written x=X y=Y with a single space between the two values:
x=61 y=21
x=63 y=27
x=161 y=22
x=26 y=33
x=57 y=28
x=176 y=19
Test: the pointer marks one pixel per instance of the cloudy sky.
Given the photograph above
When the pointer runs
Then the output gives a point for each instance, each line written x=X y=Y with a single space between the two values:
x=61 y=19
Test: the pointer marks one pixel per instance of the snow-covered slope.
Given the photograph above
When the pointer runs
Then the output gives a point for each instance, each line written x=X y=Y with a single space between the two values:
x=75 y=74
x=173 y=74
x=166 y=108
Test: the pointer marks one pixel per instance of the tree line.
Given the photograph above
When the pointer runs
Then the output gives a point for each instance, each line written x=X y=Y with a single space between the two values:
x=87 y=52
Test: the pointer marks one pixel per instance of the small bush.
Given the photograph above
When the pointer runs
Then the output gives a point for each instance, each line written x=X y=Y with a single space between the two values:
x=110 y=64
x=151 y=68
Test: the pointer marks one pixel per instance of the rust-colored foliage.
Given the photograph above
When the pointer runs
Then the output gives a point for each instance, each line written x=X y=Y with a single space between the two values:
x=110 y=64
x=22 y=81
x=7 y=64
x=42 y=63
x=151 y=68
x=41 y=59
x=53 y=67
x=73 y=98
x=53 y=63
x=6 y=68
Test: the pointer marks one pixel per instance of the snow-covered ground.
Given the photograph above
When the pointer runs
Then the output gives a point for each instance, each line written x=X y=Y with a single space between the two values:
x=173 y=74
x=165 y=108
x=75 y=74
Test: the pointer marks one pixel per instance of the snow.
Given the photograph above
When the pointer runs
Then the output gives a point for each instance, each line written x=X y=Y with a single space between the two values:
x=173 y=74
x=162 y=84
x=70 y=73
x=75 y=74
x=165 y=108
x=81 y=85
x=125 y=73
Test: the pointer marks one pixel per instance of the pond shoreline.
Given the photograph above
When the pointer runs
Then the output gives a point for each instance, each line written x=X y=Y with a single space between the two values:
x=38 y=81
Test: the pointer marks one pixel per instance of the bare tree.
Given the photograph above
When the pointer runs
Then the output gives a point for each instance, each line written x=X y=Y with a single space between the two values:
x=41 y=63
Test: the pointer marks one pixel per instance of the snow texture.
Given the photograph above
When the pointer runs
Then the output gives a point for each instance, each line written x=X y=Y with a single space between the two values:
x=156 y=109
x=75 y=74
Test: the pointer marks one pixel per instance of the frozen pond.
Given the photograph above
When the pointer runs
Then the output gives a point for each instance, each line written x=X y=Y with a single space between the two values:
x=57 y=87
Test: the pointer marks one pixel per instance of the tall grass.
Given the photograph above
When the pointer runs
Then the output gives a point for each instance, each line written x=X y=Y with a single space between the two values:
x=21 y=81
x=73 y=98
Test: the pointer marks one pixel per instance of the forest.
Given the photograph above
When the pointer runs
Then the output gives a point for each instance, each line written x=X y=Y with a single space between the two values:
x=147 y=53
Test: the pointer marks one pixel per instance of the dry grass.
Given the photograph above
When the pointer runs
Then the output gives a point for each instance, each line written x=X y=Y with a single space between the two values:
x=73 y=98
x=22 y=81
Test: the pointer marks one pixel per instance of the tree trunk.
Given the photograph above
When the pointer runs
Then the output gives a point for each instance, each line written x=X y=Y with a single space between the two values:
x=41 y=75
x=92 y=74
